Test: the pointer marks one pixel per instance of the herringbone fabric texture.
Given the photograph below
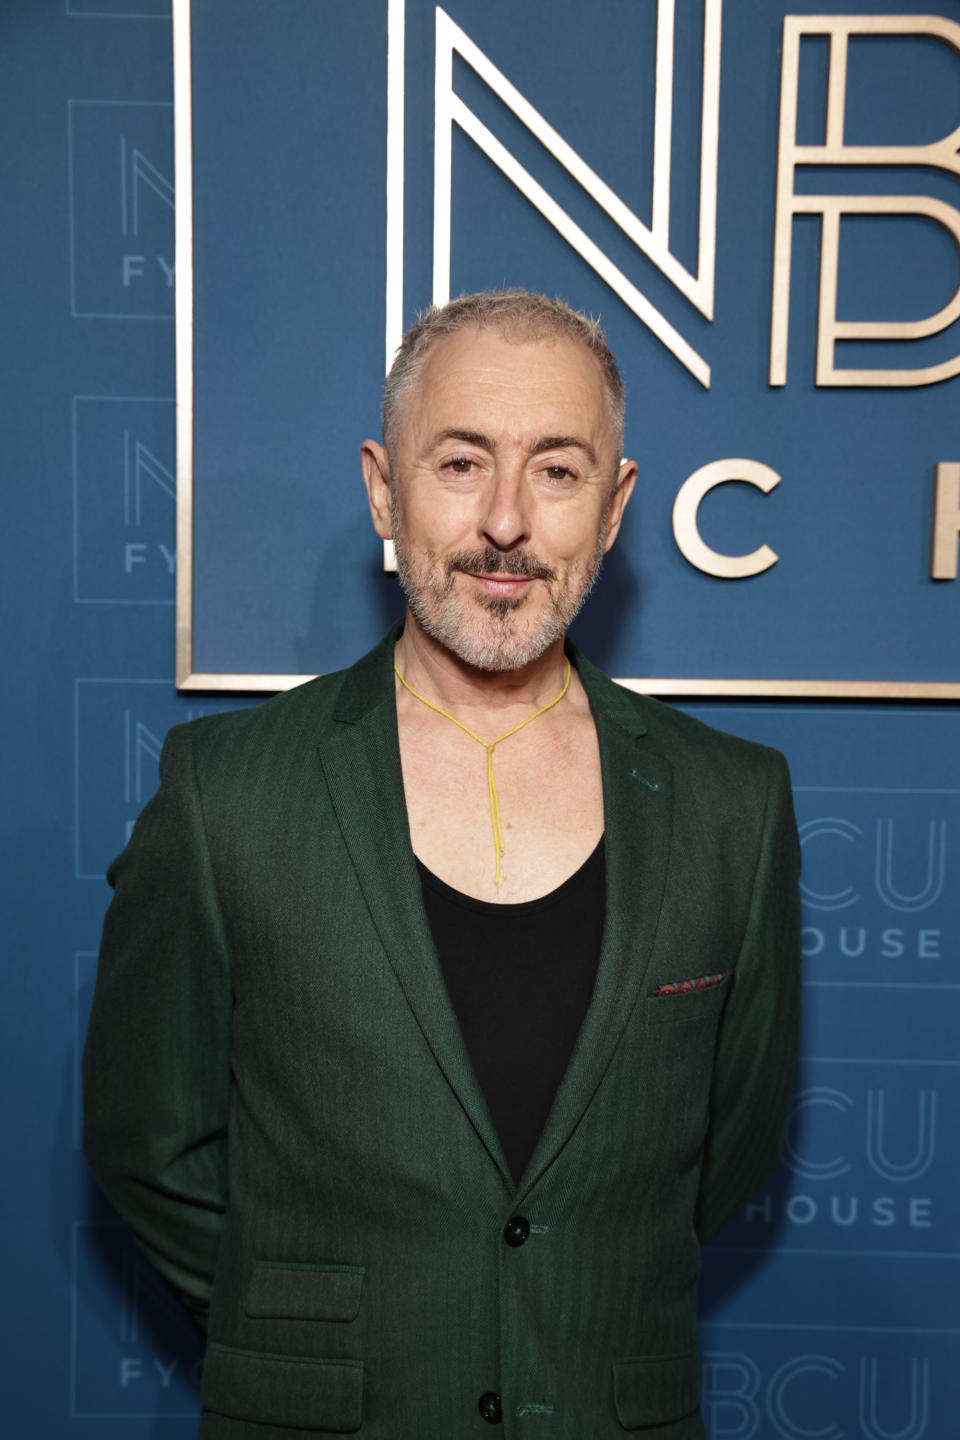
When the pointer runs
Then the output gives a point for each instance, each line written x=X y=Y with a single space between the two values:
x=279 y=1101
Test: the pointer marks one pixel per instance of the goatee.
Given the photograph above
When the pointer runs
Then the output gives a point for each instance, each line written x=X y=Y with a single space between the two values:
x=495 y=638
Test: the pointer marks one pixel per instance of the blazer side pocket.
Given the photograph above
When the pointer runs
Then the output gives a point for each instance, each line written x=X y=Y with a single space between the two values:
x=654 y=1390
x=263 y=1389
x=282 y=1290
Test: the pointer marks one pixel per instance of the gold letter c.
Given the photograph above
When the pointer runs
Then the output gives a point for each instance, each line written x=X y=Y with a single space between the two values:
x=687 y=504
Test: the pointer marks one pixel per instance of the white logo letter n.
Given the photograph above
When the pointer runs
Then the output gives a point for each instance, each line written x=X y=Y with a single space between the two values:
x=653 y=240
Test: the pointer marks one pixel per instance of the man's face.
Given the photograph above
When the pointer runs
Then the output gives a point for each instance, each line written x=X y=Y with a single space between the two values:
x=506 y=489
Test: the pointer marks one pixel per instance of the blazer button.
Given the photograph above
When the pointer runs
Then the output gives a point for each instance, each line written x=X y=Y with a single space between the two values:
x=516 y=1230
x=491 y=1407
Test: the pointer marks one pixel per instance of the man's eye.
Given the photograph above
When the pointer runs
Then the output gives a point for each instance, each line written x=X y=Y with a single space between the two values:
x=460 y=465
x=558 y=473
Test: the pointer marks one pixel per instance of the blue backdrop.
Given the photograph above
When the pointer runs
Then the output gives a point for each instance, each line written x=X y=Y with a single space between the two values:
x=830 y=1307
x=290 y=124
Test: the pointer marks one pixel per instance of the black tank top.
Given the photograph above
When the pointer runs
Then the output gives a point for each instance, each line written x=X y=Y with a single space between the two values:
x=520 y=978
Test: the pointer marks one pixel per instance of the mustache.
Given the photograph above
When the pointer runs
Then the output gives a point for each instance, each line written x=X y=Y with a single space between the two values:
x=490 y=561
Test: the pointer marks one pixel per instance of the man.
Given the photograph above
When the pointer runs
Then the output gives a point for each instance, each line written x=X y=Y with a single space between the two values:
x=447 y=1004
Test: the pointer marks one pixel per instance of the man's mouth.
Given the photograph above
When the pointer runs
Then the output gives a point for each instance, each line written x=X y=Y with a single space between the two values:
x=499 y=571
x=507 y=585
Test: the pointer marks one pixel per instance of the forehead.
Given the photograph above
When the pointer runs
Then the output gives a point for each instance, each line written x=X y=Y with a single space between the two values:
x=477 y=374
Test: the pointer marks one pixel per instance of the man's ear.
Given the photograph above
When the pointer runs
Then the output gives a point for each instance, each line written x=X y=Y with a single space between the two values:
x=375 y=465
x=626 y=479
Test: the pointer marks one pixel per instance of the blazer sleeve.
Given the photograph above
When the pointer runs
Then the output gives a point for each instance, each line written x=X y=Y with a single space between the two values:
x=759 y=1036
x=156 y=1065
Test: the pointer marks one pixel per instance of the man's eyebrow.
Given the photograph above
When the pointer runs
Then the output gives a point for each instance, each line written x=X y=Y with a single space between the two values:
x=469 y=437
x=541 y=444
x=564 y=442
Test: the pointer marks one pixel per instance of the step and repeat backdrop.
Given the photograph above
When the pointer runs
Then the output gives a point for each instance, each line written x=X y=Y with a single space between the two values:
x=763 y=204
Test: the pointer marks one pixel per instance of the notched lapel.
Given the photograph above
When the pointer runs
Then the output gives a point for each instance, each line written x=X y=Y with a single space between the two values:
x=360 y=756
x=638 y=823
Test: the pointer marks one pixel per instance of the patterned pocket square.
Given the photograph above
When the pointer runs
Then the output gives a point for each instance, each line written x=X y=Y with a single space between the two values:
x=684 y=987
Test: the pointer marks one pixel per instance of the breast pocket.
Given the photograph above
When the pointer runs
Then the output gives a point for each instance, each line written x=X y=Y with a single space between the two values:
x=306 y=1391
x=666 y=1004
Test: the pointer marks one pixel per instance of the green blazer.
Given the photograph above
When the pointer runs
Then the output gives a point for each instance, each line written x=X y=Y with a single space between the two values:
x=279 y=1100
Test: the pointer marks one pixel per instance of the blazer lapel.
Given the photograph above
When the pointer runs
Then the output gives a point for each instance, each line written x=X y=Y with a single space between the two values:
x=638 y=812
x=360 y=755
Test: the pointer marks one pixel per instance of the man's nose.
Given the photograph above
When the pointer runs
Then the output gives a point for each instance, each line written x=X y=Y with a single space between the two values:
x=504 y=521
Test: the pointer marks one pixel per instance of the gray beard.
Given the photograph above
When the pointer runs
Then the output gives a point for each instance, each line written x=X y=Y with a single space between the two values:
x=495 y=645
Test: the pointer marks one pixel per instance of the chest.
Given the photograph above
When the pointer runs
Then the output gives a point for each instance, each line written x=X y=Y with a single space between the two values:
x=548 y=802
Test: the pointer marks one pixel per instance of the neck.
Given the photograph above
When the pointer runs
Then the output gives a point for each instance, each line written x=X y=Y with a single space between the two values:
x=439 y=673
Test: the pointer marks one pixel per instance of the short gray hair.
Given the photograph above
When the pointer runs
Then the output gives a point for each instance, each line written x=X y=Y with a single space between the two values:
x=516 y=314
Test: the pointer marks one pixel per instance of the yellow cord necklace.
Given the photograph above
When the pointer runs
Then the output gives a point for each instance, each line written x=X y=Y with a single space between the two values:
x=489 y=746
